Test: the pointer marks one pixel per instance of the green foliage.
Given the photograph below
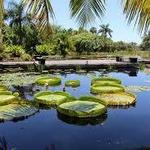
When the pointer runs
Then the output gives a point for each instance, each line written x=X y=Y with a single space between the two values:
x=17 y=110
x=26 y=57
x=51 y=81
x=14 y=50
x=146 y=42
x=88 y=42
x=92 y=99
x=52 y=98
x=118 y=99
x=105 y=80
x=82 y=109
x=72 y=83
x=107 y=88
x=45 y=49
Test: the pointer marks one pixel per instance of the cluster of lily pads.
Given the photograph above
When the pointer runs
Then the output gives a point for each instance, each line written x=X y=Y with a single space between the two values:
x=13 y=108
x=112 y=92
x=107 y=92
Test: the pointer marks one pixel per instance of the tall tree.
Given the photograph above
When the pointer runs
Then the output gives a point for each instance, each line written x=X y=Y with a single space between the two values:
x=105 y=31
x=93 y=30
x=17 y=17
x=1 y=24
x=145 y=45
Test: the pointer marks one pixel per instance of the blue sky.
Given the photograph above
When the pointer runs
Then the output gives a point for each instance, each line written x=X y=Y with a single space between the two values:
x=114 y=16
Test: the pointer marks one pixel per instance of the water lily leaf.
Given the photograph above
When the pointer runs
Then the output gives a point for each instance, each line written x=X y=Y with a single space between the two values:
x=72 y=83
x=118 y=99
x=3 y=88
x=82 y=109
x=52 y=81
x=138 y=88
x=107 y=88
x=16 y=111
x=52 y=98
x=105 y=80
x=6 y=97
x=91 y=99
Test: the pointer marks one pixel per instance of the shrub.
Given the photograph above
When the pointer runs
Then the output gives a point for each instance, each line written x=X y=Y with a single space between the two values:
x=45 y=49
x=14 y=50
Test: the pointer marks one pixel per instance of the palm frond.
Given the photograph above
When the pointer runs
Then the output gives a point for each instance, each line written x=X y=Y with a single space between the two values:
x=138 y=11
x=41 y=12
x=85 y=11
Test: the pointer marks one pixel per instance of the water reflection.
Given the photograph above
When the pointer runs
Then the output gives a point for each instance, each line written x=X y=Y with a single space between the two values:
x=82 y=121
x=123 y=107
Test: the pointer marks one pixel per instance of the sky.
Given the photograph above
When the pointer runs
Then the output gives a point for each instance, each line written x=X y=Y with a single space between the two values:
x=113 y=16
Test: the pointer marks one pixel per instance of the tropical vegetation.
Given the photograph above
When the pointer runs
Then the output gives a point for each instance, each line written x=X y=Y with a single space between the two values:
x=26 y=29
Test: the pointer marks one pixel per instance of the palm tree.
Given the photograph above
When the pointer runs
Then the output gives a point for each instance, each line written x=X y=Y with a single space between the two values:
x=17 y=18
x=93 y=30
x=1 y=24
x=138 y=11
x=105 y=30
x=84 y=11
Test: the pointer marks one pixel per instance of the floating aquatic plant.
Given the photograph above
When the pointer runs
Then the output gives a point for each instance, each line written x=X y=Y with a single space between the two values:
x=105 y=80
x=118 y=99
x=52 y=81
x=52 y=98
x=17 y=110
x=72 y=83
x=91 y=99
x=6 y=97
x=3 y=88
x=138 y=88
x=82 y=109
x=106 y=88
x=18 y=79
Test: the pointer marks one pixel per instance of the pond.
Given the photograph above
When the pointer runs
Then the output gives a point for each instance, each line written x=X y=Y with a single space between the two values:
x=120 y=129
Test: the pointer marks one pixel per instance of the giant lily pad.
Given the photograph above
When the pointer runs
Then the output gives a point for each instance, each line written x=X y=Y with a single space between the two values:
x=138 y=88
x=73 y=83
x=118 y=99
x=16 y=111
x=91 y=99
x=105 y=80
x=52 y=81
x=6 y=97
x=3 y=88
x=95 y=89
x=82 y=109
x=52 y=98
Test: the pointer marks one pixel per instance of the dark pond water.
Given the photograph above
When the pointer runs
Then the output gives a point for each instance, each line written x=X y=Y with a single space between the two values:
x=119 y=129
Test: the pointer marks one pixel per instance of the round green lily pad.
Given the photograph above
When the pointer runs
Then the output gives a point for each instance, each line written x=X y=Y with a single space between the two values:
x=52 y=81
x=16 y=111
x=52 y=98
x=95 y=89
x=6 y=97
x=82 y=109
x=105 y=80
x=72 y=83
x=91 y=99
x=3 y=88
x=118 y=99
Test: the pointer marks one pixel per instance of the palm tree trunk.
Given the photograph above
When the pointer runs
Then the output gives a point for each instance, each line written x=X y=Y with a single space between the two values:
x=1 y=24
